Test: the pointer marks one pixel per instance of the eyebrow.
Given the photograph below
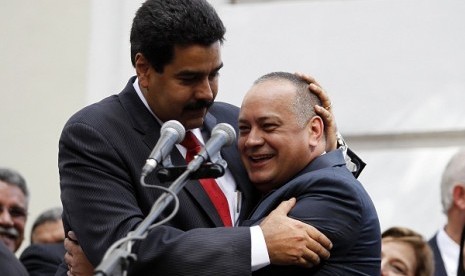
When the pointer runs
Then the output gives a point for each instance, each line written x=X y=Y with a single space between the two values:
x=189 y=72
x=263 y=119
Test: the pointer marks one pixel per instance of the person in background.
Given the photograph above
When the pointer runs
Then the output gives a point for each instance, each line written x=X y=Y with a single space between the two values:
x=48 y=227
x=14 y=201
x=46 y=251
x=405 y=252
x=176 y=53
x=446 y=242
x=282 y=145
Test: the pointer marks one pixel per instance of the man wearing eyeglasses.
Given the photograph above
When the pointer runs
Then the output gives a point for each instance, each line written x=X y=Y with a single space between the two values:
x=14 y=198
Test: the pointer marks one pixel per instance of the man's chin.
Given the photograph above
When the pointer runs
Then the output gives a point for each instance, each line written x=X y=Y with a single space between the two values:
x=193 y=122
x=8 y=243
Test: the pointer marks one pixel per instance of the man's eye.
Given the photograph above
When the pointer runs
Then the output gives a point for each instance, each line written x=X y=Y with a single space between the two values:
x=17 y=212
x=213 y=75
x=188 y=80
x=269 y=126
x=243 y=129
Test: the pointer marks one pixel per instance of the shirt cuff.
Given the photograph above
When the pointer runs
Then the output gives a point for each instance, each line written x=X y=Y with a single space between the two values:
x=259 y=254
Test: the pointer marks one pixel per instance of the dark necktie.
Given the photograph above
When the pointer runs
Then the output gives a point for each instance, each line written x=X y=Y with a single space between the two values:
x=210 y=186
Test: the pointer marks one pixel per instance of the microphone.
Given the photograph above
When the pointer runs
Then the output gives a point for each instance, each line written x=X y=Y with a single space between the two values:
x=171 y=133
x=222 y=135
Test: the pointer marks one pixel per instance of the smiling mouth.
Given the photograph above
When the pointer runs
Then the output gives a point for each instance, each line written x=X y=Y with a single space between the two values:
x=260 y=158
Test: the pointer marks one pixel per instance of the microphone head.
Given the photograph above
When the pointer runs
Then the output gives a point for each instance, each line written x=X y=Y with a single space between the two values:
x=225 y=130
x=176 y=127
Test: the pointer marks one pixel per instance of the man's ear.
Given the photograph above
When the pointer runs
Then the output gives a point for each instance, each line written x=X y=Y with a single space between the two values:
x=458 y=195
x=142 y=66
x=316 y=131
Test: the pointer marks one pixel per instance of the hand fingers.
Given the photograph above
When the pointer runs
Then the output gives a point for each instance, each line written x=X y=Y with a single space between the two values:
x=309 y=79
x=317 y=237
x=309 y=259
x=68 y=259
x=68 y=244
x=322 y=95
x=72 y=236
x=285 y=206
x=325 y=114
x=319 y=245
x=71 y=247
x=316 y=89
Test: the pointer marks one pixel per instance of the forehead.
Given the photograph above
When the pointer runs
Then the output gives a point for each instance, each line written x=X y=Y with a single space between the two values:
x=11 y=195
x=197 y=57
x=270 y=94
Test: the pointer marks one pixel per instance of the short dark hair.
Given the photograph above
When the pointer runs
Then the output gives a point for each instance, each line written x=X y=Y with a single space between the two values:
x=159 y=25
x=14 y=178
x=304 y=101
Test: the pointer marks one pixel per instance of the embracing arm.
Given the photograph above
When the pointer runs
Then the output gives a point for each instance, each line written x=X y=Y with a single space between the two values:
x=289 y=241
x=101 y=205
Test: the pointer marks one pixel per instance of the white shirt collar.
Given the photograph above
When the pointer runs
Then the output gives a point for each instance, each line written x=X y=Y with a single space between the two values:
x=450 y=252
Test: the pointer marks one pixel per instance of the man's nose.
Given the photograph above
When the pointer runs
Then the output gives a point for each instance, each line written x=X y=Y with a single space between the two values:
x=254 y=138
x=5 y=218
x=204 y=91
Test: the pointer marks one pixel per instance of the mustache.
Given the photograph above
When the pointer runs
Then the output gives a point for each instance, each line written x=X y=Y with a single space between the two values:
x=198 y=105
x=9 y=231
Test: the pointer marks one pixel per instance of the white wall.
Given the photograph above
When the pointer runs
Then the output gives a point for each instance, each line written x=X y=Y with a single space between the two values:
x=43 y=57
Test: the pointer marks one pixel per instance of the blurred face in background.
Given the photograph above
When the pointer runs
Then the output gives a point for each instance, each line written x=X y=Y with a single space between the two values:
x=48 y=232
x=13 y=214
x=397 y=258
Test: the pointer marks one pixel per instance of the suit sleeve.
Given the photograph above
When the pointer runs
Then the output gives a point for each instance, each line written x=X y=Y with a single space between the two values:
x=9 y=264
x=101 y=206
x=334 y=209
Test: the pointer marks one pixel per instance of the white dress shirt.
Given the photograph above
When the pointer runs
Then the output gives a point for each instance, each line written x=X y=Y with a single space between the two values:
x=450 y=252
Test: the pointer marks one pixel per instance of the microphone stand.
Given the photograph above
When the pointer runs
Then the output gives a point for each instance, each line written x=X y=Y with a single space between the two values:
x=116 y=260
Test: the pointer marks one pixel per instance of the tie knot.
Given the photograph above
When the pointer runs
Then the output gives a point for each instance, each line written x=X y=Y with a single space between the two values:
x=192 y=144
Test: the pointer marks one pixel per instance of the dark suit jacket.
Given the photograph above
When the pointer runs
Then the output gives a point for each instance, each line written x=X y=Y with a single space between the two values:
x=42 y=259
x=439 y=269
x=101 y=152
x=9 y=264
x=332 y=200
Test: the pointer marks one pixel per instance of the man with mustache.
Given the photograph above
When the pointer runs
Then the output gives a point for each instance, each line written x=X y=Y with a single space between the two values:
x=176 y=53
x=14 y=198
